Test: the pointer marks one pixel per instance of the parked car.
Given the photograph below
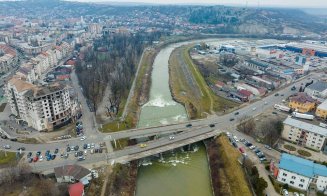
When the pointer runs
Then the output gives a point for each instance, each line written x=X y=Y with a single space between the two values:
x=276 y=94
x=29 y=154
x=268 y=147
x=241 y=149
x=254 y=108
x=76 y=154
x=252 y=147
x=234 y=144
x=83 y=138
x=35 y=159
x=227 y=133
x=85 y=146
x=41 y=158
x=88 y=146
x=30 y=160
x=231 y=119
x=100 y=150
x=21 y=148
x=256 y=150
x=81 y=158
x=76 y=148
x=236 y=113
x=248 y=144
x=68 y=149
x=285 y=192
x=235 y=138
x=262 y=159
x=53 y=157
x=7 y=146
x=189 y=125
x=171 y=137
x=212 y=125
x=38 y=153
x=56 y=151
x=143 y=145
x=92 y=145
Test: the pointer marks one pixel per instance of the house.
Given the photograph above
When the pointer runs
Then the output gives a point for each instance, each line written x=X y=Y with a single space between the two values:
x=301 y=173
x=220 y=84
x=76 y=189
x=304 y=134
x=302 y=102
x=317 y=89
x=245 y=93
x=72 y=173
x=321 y=110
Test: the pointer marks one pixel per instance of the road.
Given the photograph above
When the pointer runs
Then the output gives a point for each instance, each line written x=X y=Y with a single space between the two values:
x=223 y=123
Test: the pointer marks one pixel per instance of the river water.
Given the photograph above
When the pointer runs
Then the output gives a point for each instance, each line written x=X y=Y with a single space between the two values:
x=179 y=172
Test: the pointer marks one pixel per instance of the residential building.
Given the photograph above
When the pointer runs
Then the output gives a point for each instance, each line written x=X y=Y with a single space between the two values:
x=301 y=173
x=304 y=134
x=302 y=102
x=321 y=110
x=76 y=189
x=317 y=89
x=41 y=107
x=72 y=173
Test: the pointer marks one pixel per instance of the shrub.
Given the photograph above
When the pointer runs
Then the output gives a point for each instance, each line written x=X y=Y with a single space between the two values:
x=289 y=147
x=304 y=153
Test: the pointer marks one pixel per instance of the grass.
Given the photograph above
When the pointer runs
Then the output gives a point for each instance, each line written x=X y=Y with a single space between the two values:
x=233 y=171
x=7 y=158
x=289 y=147
x=197 y=106
x=121 y=143
x=28 y=140
x=2 y=107
x=304 y=153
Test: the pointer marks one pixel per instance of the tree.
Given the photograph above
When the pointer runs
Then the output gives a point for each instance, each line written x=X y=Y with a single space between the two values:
x=285 y=186
x=259 y=186
x=246 y=125
x=271 y=130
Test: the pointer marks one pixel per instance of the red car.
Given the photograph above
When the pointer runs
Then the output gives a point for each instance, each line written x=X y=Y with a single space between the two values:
x=35 y=159
x=241 y=149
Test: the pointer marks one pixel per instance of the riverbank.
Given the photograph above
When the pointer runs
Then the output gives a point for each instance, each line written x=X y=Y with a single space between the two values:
x=227 y=175
x=122 y=181
x=189 y=88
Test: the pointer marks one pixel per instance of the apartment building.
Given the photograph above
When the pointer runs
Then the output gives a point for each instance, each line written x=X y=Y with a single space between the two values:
x=317 y=89
x=302 y=102
x=304 y=134
x=322 y=110
x=301 y=173
x=41 y=107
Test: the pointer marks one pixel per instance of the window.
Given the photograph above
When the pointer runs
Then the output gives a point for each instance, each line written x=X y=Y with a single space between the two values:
x=289 y=138
x=302 y=180
x=283 y=179
x=301 y=185
x=284 y=174
x=293 y=177
x=292 y=182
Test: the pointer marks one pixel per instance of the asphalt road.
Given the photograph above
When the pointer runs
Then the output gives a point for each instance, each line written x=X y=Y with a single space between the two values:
x=223 y=123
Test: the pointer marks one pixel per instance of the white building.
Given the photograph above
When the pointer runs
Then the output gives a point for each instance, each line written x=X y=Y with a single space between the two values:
x=304 y=134
x=41 y=107
x=317 y=89
x=300 y=173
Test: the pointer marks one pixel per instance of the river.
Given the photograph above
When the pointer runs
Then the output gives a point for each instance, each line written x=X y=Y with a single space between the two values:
x=179 y=172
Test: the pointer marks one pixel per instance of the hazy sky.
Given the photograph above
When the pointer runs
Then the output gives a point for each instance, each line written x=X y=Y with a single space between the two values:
x=279 y=3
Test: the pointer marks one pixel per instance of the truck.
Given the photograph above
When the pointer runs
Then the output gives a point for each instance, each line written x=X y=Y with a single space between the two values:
x=281 y=108
x=303 y=116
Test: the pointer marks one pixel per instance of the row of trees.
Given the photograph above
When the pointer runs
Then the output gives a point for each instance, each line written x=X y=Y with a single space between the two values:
x=112 y=60
x=258 y=183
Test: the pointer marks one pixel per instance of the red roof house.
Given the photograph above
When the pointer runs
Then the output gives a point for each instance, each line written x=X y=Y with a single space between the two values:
x=76 y=189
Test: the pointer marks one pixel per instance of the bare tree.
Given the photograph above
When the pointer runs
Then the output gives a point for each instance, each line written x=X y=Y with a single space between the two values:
x=246 y=125
x=271 y=130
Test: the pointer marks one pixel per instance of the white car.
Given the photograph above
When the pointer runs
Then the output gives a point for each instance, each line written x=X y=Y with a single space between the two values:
x=252 y=147
x=235 y=138
x=285 y=192
x=227 y=133
x=92 y=145
x=254 y=108
x=7 y=146
x=171 y=137
x=85 y=152
x=41 y=158
x=83 y=138
x=266 y=103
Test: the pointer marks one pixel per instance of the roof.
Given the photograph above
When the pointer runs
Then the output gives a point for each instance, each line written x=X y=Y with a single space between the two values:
x=20 y=84
x=301 y=166
x=302 y=98
x=323 y=105
x=76 y=189
x=76 y=171
x=245 y=93
x=318 y=86
x=306 y=126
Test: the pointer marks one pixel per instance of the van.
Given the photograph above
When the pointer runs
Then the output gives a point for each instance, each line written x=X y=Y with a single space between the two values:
x=285 y=192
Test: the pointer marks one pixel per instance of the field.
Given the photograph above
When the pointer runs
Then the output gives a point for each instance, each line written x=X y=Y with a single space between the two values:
x=189 y=87
x=228 y=177
x=7 y=158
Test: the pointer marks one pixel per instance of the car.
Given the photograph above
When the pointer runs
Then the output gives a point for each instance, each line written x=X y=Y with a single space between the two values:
x=274 y=112
x=21 y=148
x=189 y=125
x=92 y=145
x=252 y=147
x=266 y=102
x=241 y=149
x=100 y=150
x=227 y=133
x=293 y=88
x=248 y=144
x=56 y=151
x=285 y=192
x=13 y=139
x=85 y=146
x=231 y=119
x=254 y=108
x=81 y=158
x=142 y=145
x=41 y=158
x=7 y=146
x=268 y=147
x=62 y=156
x=38 y=153
x=76 y=148
x=29 y=154
x=282 y=95
x=296 y=194
x=35 y=159
x=276 y=94
x=48 y=158
x=76 y=154
x=212 y=125
x=88 y=146
x=66 y=156
x=30 y=160
x=68 y=149
x=83 y=138
x=234 y=144
x=85 y=152
x=236 y=113
x=261 y=156
x=96 y=150
x=263 y=159
x=92 y=151
x=242 y=140
x=256 y=150
x=171 y=137
x=53 y=157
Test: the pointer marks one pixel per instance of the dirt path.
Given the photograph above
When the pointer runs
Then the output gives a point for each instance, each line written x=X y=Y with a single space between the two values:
x=104 y=187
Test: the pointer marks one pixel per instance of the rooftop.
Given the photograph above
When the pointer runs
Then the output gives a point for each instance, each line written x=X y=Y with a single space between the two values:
x=301 y=166
x=76 y=171
x=318 y=86
x=323 y=105
x=302 y=98
x=305 y=126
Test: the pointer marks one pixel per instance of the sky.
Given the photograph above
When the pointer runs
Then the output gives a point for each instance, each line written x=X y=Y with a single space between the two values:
x=261 y=3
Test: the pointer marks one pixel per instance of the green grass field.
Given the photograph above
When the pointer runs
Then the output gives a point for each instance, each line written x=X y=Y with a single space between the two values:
x=7 y=158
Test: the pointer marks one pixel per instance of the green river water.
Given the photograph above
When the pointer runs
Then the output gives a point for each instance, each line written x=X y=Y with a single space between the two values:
x=178 y=172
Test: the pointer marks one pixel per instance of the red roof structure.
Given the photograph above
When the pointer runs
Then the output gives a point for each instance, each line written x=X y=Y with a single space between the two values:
x=76 y=189
x=245 y=93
